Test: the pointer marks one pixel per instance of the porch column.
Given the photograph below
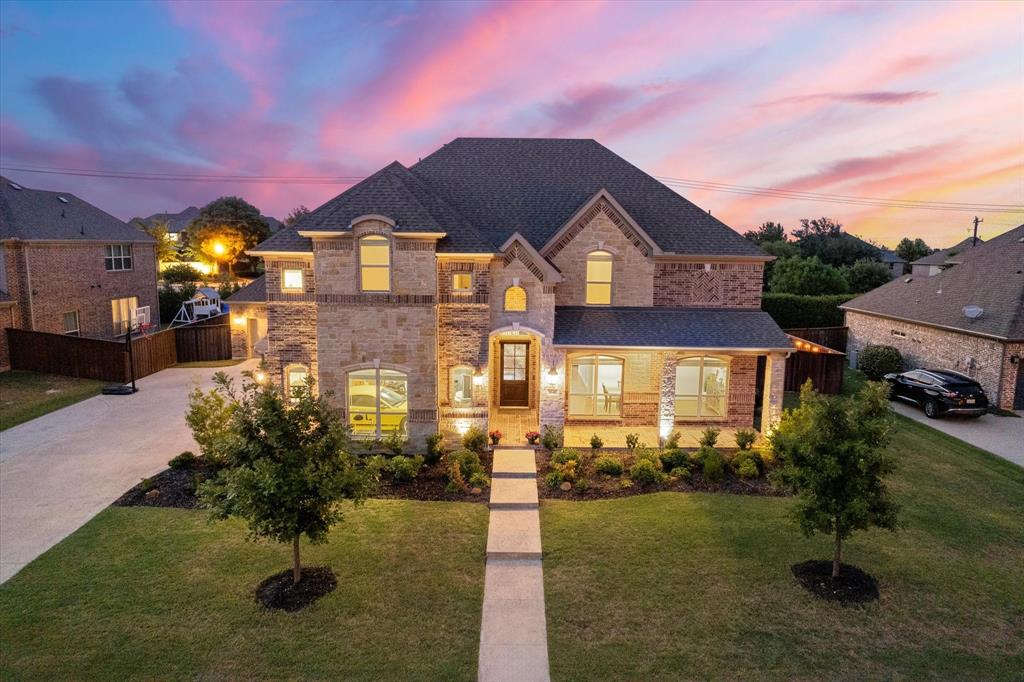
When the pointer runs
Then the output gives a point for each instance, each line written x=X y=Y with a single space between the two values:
x=552 y=385
x=774 y=387
x=667 y=404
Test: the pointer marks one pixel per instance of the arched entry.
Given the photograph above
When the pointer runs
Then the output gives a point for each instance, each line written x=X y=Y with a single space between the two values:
x=515 y=382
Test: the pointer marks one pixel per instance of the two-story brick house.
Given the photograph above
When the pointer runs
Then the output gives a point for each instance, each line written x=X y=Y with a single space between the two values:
x=68 y=267
x=513 y=283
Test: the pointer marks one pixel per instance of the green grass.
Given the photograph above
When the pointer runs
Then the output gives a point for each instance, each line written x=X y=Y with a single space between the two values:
x=698 y=586
x=27 y=395
x=210 y=363
x=163 y=594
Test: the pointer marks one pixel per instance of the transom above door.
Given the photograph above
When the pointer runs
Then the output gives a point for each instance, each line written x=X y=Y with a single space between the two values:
x=514 y=390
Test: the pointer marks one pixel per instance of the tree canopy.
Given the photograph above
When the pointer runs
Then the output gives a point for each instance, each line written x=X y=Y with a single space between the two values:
x=865 y=275
x=296 y=214
x=166 y=249
x=833 y=457
x=825 y=238
x=807 y=276
x=767 y=232
x=911 y=250
x=225 y=228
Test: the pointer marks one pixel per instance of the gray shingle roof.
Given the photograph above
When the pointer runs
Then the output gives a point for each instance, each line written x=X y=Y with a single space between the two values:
x=176 y=222
x=253 y=292
x=991 y=278
x=40 y=214
x=287 y=240
x=940 y=256
x=668 y=328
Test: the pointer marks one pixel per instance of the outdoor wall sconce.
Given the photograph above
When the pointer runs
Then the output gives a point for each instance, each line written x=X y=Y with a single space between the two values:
x=260 y=376
x=238 y=319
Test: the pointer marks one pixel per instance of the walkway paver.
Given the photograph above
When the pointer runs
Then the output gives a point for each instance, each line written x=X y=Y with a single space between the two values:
x=513 y=632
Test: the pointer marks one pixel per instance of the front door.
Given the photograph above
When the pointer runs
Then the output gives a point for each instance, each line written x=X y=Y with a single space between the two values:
x=515 y=381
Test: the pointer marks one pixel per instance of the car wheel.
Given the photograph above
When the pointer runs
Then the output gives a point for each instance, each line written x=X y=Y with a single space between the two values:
x=931 y=409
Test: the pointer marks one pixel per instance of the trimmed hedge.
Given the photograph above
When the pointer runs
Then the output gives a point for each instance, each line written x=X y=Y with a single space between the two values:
x=794 y=310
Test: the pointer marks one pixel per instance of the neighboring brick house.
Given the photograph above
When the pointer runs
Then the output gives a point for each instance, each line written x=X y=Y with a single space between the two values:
x=248 y=309
x=934 y=263
x=928 y=317
x=515 y=283
x=68 y=267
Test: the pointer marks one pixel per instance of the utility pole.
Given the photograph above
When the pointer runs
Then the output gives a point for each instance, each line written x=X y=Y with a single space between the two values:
x=974 y=241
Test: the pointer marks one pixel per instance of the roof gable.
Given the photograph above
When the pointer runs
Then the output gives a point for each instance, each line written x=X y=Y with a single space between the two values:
x=517 y=248
x=601 y=202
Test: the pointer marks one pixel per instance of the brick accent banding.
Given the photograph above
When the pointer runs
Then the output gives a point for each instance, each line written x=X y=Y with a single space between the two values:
x=600 y=207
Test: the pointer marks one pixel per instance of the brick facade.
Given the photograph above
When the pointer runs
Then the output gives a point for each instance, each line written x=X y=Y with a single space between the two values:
x=242 y=338
x=708 y=285
x=983 y=359
x=8 y=314
x=1010 y=375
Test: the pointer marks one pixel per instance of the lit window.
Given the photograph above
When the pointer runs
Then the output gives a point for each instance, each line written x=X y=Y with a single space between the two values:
x=294 y=377
x=515 y=299
x=595 y=386
x=117 y=257
x=375 y=263
x=378 y=402
x=71 y=326
x=123 y=313
x=599 y=278
x=462 y=386
x=291 y=280
x=702 y=388
x=462 y=281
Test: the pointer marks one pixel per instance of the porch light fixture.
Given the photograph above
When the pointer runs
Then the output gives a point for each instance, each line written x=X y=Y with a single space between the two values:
x=479 y=377
x=238 y=319
x=462 y=426
x=260 y=376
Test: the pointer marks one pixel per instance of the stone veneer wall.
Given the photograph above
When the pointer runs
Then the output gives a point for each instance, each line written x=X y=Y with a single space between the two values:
x=922 y=346
x=463 y=324
x=726 y=285
x=1008 y=385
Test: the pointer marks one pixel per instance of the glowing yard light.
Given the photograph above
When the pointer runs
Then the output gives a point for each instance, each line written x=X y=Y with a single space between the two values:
x=461 y=425
x=260 y=376
x=218 y=248
x=238 y=319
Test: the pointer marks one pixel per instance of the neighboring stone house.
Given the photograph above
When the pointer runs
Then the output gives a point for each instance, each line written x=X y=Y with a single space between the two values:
x=516 y=283
x=895 y=263
x=934 y=263
x=68 y=267
x=969 y=317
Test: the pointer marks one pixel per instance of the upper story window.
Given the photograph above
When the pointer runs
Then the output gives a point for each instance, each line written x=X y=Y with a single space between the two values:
x=595 y=386
x=291 y=279
x=702 y=384
x=599 y=278
x=515 y=299
x=374 y=263
x=117 y=257
x=462 y=282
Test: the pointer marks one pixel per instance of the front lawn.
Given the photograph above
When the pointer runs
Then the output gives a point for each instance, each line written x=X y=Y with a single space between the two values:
x=162 y=594
x=27 y=395
x=698 y=586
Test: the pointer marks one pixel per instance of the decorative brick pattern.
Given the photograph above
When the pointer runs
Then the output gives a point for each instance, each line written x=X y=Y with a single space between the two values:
x=517 y=252
x=601 y=207
x=727 y=285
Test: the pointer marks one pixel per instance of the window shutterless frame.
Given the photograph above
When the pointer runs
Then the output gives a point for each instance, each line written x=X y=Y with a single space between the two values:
x=378 y=402
x=595 y=386
x=374 y=263
x=599 y=278
x=702 y=387
x=117 y=257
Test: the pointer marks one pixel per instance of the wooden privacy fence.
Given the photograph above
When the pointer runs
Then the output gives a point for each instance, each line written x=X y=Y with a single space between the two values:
x=830 y=337
x=822 y=365
x=108 y=360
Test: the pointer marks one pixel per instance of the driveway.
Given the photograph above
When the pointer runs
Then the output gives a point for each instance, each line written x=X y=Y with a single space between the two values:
x=1003 y=436
x=61 y=469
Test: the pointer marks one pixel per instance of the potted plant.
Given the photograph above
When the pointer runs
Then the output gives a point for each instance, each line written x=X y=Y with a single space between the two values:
x=495 y=437
x=532 y=437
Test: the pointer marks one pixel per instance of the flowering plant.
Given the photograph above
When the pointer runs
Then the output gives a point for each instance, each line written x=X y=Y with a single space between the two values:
x=495 y=437
x=532 y=437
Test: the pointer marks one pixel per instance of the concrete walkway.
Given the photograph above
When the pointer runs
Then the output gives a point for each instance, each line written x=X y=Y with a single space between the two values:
x=513 y=632
x=1003 y=436
x=59 y=470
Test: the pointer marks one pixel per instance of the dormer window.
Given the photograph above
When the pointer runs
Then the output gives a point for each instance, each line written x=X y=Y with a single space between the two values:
x=374 y=263
x=599 y=278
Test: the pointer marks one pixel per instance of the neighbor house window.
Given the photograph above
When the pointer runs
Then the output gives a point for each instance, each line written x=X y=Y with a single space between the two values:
x=375 y=263
x=291 y=279
x=595 y=386
x=71 y=326
x=462 y=281
x=117 y=257
x=599 y=278
x=515 y=299
x=462 y=386
x=294 y=377
x=378 y=402
x=123 y=313
x=702 y=387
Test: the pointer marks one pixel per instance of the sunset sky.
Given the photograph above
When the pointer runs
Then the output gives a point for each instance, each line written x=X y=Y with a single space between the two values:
x=900 y=101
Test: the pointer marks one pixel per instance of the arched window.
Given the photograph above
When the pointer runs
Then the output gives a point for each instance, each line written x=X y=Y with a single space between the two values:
x=595 y=386
x=515 y=299
x=599 y=278
x=462 y=386
x=294 y=376
x=702 y=388
x=378 y=402
x=374 y=263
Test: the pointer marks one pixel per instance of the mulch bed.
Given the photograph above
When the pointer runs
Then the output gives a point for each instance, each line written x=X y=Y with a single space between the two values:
x=430 y=485
x=169 y=488
x=602 y=487
x=278 y=591
x=853 y=586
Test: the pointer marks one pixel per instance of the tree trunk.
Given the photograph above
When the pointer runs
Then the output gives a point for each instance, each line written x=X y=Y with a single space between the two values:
x=296 y=565
x=835 y=557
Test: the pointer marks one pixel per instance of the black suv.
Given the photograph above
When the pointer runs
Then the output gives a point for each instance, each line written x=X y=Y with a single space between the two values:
x=939 y=392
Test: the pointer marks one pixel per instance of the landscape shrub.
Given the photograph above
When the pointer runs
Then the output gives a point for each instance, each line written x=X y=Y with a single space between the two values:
x=792 y=311
x=475 y=439
x=670 y=459
x=877 y=361
x=551 y=437
x=610 y=466
x=564 y=455
x=435 y=448
x=709 y=436
x=456 y=481
x=405 y=468
x=672 y=442
x=652 y=454
x=632 y=441
x=185 y=460
x=713 y=465
x=745 y=438
x=645 y=472
x=479 y=480
x=467 y=462
x=681 y=472
x=395 y=443
x=581 y=484
x=180 y=273
x=741 y=458
x=554 y=479
x=595 y=442
x=569 y=470
x=747 y=469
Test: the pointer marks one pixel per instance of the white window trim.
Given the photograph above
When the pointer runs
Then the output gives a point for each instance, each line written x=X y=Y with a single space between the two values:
x=596 y=394
x=378 y=433
x=112 y=259
x=605 y=255
x=700 y=384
